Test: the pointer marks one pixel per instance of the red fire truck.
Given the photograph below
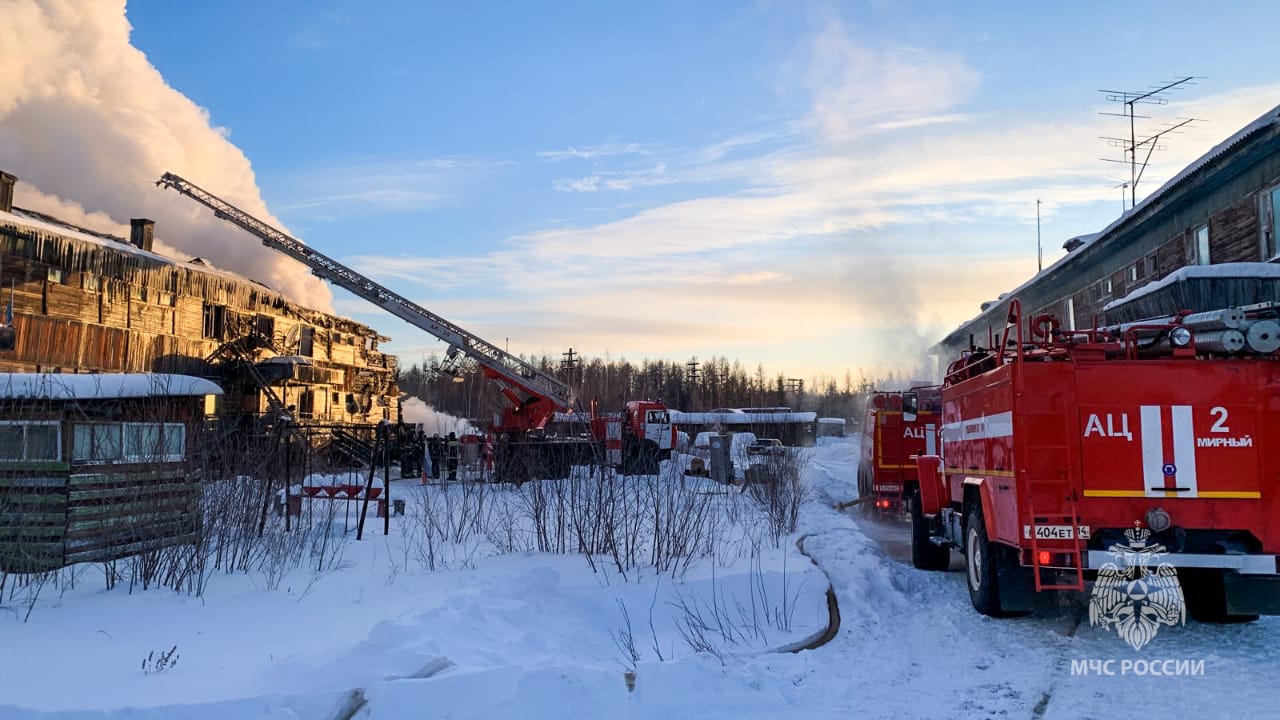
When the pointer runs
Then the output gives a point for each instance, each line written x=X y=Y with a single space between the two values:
x=1055 y=443
x=891 y=438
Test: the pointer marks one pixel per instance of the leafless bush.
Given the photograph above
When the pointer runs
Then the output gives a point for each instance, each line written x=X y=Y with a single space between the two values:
x=718 y=623
x=625 y=640
x=774 y=483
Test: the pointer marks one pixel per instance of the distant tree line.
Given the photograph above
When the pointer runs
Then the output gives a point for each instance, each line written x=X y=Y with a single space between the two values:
x=708 y=385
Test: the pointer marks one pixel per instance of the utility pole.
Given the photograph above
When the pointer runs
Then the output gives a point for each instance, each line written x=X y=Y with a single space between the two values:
x=1039 y=249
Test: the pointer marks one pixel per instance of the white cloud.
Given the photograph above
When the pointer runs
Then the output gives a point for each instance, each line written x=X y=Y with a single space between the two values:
x=868 y=228
x=88 y=125
x=593 y=152
x=376 y=187
x=616 y=180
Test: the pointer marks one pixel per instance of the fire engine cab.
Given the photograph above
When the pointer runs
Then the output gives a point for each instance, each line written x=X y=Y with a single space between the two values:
x=896 y=428
x=1061 y=450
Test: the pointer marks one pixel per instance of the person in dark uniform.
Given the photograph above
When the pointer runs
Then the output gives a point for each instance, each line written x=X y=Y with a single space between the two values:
x=452 y=450
x=436 y=447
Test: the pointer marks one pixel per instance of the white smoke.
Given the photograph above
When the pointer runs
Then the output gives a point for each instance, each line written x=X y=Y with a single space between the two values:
x=433 y=422
x=88 y=125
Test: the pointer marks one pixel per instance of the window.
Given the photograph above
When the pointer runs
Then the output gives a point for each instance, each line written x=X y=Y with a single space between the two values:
x=214 y=316
x=1071 y=314
x=306 y=341
x=88 y=281
x=129 y=442
x=1202 y=245
x=1151 y=265
x=306 y=404
x=97 y=442
x=1106 y=286
x=21 y=441
x=57 y=275
x=1269 y=221
x=1133 y=273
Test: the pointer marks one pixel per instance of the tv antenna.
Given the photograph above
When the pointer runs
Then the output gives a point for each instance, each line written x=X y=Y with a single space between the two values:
x=1133 y=145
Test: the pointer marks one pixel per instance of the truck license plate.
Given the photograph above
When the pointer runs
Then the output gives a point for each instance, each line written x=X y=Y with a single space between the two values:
x=1055 y=532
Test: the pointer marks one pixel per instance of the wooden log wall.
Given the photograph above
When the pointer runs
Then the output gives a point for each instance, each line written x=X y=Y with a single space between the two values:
x=96 y=305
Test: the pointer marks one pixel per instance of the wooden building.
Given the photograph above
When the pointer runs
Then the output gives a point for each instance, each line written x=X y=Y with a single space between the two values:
x=97 y=467
x=89 y=302
x=1223 y=208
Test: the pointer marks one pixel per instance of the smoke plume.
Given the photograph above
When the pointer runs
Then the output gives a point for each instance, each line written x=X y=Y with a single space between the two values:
x=88 y=125
x=434 y=422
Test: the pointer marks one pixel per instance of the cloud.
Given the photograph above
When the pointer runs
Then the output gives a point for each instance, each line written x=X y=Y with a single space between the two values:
x=855 y=86
x=373 y=187
x=592 y=152
x=88 y=125
x=619 y=180
x=862 y=231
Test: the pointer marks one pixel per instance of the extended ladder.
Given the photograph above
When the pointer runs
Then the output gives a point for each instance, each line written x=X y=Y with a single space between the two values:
x=502 y=365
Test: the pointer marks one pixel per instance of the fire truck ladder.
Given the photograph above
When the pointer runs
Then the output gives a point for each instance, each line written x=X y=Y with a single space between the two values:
x=502 y=366
x=1056 y=492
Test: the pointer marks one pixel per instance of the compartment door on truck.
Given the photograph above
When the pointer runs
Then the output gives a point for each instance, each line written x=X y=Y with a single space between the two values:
x=1169 y=430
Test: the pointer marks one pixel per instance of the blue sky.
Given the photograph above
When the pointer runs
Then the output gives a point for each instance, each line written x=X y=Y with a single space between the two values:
x=812 y=186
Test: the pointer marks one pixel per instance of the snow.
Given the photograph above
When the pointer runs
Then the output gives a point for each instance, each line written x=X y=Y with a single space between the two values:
x=527 y=635
x=1198 y=272
x=12 y=218
x=119 y=244
x=738 y=417
x=79 y=386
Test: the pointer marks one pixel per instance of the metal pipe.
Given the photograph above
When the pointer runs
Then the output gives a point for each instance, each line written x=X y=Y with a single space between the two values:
x=1225 y=319
x=1220 y=341
x=1263 y=336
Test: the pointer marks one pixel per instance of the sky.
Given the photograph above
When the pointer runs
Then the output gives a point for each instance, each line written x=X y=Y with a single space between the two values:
x=814 y=187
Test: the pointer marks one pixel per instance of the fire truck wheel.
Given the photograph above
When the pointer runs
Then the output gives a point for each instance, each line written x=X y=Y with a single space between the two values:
x=924 y=554
x=868 y=505
x=981 y=559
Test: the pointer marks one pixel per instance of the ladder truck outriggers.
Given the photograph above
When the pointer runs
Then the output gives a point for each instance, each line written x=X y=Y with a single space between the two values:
x=1065 y=454
x=532 y=396
x=892 y=437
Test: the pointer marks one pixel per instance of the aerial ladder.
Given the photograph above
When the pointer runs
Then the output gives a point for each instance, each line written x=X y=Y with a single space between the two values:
x=533 y=396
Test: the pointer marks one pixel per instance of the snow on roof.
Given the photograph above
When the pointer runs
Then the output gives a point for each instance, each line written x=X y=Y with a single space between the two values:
x=1189 y=272
x=50 y=225
x=741 y=418
x=833 y=421
x=1267 y=119
x=69 y=386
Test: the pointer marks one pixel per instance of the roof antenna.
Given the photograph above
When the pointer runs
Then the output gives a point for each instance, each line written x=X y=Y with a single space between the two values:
x=1132 y=145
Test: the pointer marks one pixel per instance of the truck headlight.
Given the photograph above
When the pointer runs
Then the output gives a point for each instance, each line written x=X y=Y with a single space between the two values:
x=1180 y=337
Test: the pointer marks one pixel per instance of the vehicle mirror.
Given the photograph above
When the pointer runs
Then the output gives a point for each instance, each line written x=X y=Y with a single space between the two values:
x=910 y=406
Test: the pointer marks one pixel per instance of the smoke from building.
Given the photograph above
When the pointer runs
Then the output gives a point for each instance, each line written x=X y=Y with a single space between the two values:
x=433 y=422
x=88 y=125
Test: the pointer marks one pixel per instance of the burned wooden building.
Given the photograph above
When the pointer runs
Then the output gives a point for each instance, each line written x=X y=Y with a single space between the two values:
x=88 y=302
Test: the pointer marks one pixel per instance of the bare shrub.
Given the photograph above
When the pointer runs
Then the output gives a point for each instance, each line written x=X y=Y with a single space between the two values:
x=774 y=482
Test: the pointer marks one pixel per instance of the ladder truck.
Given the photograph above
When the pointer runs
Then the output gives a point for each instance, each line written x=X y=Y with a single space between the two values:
x=1151 y=447
x=532 y=396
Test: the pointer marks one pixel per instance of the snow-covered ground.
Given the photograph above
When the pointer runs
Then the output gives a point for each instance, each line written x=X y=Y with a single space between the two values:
x=527 y=635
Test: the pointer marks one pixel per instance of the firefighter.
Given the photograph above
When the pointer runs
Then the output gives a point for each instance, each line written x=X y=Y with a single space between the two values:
x=451 y=449
x=426 y=449
x=434 y=447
